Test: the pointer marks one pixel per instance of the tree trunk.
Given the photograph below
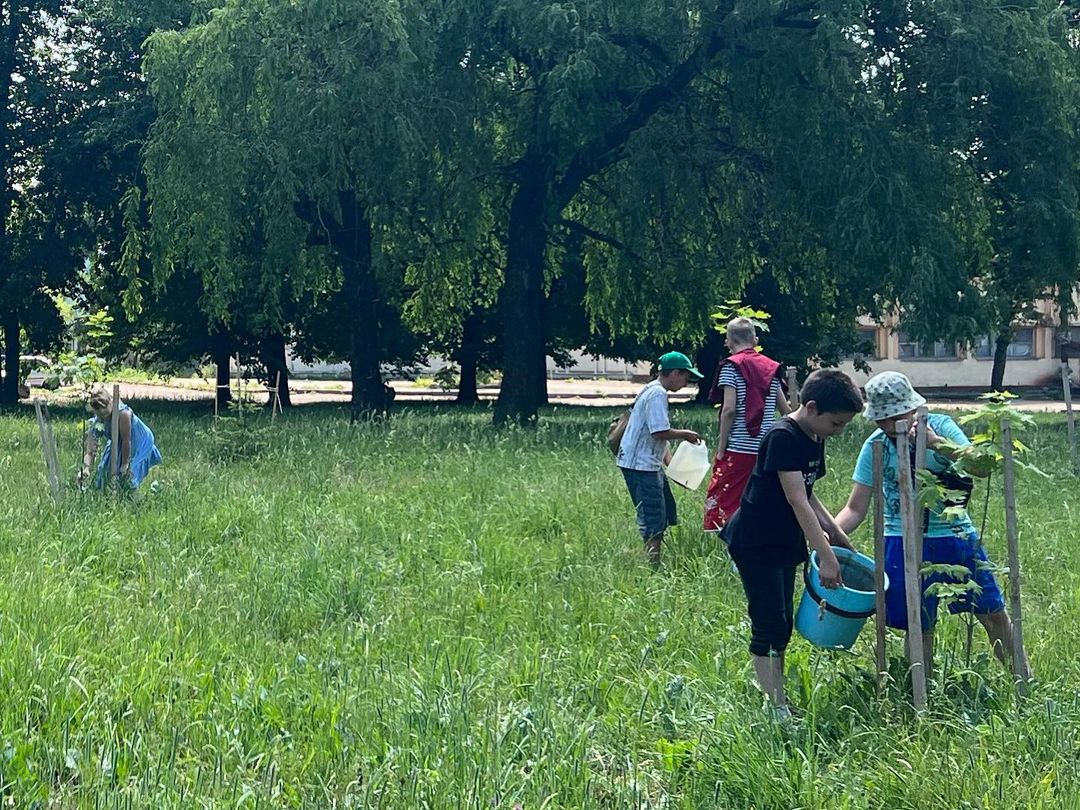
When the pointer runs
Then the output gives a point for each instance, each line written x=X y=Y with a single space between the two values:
x=352 y=244
x=521 y=299
x=273 y=351
x=9 y=393
x=1001 y=354
x=467 y=357
x=9 y=37
x=707 y=359
x=221 y=353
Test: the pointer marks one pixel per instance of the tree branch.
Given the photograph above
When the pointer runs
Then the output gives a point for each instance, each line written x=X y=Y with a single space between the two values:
x=650 y=46
x=604 y=150
x=585 y=230
x=786 y=18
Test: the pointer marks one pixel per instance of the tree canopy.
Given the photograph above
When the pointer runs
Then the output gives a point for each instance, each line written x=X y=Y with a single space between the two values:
x=500 y=180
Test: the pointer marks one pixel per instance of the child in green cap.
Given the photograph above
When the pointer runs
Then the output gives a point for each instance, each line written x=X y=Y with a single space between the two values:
x=643 y=451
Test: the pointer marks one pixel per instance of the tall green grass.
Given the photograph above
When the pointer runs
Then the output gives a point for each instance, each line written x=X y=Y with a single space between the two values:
x=425 y=612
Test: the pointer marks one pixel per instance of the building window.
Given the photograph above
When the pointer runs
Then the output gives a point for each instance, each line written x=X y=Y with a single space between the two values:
x=1070 y=333
x=911 y=349
x=1021 y=348
x=866 y=345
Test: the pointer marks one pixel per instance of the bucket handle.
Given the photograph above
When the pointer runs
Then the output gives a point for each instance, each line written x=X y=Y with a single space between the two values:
x=824 y=606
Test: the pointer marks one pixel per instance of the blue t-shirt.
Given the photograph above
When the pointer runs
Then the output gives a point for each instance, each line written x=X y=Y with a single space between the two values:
x=939 y=525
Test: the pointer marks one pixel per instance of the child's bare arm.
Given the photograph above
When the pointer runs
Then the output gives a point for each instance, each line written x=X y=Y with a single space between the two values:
x=856 y=508
x=954 y=451
x=91 y=449
x=89 y=454
x=836 y=533
x=675 y=435
x=727 y=419
x=125 y=441
x=795 y=491
x=783 y=404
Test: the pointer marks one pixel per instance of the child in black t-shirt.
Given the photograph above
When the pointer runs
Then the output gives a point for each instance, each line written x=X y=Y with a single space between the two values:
x=779 y=514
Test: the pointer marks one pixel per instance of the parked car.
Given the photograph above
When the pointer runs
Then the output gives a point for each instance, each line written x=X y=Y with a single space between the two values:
x=35 y=371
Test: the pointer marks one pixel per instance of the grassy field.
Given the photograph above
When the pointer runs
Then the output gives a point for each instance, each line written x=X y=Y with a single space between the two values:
x=426 y=612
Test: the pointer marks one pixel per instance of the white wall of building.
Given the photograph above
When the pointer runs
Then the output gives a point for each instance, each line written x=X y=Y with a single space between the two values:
x=956 y=366
x=586 y=366
x=965 y=373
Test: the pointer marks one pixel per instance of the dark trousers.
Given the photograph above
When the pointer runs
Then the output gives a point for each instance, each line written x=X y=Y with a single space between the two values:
x=770 y=603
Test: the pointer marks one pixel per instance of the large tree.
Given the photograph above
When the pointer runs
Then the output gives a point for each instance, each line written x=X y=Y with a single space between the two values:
x=566 y=91
x=35 y=101
x=277 y=159
x=1026 y=147
x=994 y=86
x=694 y=147
x=75 y=117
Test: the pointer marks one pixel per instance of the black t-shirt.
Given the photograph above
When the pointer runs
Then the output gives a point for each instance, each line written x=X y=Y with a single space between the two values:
x=764 y=528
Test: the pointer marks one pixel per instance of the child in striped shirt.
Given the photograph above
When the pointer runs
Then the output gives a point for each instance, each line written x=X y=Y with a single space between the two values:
x=748 y=386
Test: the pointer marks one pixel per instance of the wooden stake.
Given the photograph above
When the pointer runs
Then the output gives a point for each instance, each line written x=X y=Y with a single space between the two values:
x=275 y=406
x=912 y=577
x=84 y=426
x=53 y=455
x=1070 y=418
x=217 y=387
x=48 y=448
x=114 y=454
x=879 y=561
x=1013 y=535
x=921 y=417
x=792 y=389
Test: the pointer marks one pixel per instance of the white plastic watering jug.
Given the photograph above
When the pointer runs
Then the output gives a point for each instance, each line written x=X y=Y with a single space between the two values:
x=689 y=465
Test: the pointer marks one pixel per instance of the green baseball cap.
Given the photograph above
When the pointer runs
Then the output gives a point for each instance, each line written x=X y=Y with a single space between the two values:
x=676 y=360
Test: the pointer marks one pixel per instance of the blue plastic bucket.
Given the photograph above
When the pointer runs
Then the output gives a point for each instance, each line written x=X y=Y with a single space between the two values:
x=834 y=618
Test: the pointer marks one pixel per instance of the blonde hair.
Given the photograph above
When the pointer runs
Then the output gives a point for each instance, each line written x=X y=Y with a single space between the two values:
x=742 y=331
x=100 y=399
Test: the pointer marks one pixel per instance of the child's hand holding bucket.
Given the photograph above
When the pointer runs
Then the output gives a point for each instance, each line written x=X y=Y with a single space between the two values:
x=829 y=571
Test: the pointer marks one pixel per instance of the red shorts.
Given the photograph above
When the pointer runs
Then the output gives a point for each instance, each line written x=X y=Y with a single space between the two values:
x=729 y=477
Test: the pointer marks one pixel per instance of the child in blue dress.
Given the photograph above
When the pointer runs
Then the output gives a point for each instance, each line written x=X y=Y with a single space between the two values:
x=138 y=452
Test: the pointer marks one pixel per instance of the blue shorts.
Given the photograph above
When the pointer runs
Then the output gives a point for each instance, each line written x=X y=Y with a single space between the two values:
x=652 y=499
x=966 y=551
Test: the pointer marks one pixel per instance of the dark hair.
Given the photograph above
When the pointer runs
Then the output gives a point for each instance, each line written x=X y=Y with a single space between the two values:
x=832 y=391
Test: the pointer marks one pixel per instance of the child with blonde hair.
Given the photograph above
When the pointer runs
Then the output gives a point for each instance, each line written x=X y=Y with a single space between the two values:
x=137 y=451
x=748 y=390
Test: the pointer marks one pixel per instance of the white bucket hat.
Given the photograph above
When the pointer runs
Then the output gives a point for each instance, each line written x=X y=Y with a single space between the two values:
x=889 y=394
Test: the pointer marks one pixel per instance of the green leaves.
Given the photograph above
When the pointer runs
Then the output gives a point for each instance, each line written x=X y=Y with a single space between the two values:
x=912 y=159
x=734 y=308
x=260 y=106
x=984 y=454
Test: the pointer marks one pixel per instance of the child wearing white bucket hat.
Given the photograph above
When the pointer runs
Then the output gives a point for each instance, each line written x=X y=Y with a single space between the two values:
x=949 y=536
